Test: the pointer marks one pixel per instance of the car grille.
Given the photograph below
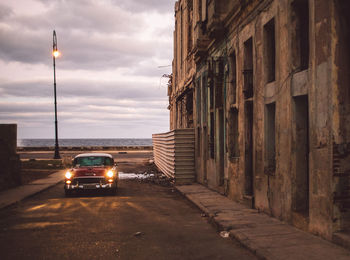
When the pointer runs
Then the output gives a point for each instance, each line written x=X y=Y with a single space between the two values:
x=88 y=180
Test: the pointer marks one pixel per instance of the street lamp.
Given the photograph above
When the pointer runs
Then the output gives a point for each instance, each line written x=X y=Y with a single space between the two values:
x=55 y=54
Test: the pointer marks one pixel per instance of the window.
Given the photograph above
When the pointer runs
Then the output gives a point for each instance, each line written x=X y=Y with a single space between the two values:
x=270 y=51
x=93 y=161
x=233 y=77
x=181 y=37
x=212 y=139
x=204 y=99
x=270 y=138
x=300 y=34
x=189 y=110
x=301 y=147
x=198 y=101
x=189 y=25
x=233 y=148
x=219 y=80
x=248 y=69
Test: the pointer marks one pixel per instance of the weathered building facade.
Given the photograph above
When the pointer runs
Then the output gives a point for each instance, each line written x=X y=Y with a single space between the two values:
x=266 y=87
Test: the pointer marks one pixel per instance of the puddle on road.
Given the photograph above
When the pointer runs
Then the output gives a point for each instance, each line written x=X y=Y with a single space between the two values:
x=134 y=176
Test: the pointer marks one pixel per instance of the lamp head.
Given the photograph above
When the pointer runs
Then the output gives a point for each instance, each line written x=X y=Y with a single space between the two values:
x=56 y=53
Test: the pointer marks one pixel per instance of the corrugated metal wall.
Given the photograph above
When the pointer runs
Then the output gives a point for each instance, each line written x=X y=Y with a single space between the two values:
x=174 y=154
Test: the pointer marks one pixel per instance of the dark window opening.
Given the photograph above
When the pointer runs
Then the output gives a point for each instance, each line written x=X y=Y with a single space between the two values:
x=249 y=148
x=220 y=146
x=300 y=34
x=198 y=101
x=189 y=24
x=181 y=37
x=212 y=139
x=219 y=96
x=248 y=69
x=198 y=150
x=301 y=142
x=204 y=99
x=343 y=59
x=270 y=138
x=189 y=109
x=270 y=51
x=211 y=96
x=233 y=75
x=233 y=147
x=180 y=113
x=219 y=80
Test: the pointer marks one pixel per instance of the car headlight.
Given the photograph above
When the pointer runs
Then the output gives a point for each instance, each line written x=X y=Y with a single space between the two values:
x=110 y=174
x=68 y=175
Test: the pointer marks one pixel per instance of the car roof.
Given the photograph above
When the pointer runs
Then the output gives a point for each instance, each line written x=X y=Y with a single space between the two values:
x=94 y=154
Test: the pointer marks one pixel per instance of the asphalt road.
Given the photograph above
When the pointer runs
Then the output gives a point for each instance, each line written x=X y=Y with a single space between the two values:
x=143 y=221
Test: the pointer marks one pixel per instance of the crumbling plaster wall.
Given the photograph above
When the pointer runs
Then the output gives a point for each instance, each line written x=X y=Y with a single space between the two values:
x=273 y=193
x=183 y=66
x=276 y=192
x=341 y=114
x=321 y=119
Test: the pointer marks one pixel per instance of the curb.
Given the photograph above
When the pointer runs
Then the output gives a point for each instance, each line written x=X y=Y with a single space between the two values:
x=15 y=195
x=262 y=235
x=219 y=227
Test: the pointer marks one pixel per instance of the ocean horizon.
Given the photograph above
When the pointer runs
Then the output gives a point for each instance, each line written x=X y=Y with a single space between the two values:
x=78 y=142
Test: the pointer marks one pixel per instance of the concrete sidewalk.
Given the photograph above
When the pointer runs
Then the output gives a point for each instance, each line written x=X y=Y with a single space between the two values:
x=265 y=236
x=12 y=196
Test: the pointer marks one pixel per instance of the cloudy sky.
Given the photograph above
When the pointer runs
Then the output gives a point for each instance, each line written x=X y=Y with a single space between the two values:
x=109 y=82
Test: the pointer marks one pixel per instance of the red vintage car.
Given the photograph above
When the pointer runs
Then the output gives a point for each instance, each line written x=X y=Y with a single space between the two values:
x=92 y=171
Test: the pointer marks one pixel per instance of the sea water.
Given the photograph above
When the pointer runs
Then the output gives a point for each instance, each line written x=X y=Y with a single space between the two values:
x=85 y=142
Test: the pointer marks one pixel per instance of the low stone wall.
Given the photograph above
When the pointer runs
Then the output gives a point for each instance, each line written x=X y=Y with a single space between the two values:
x=86 y=148
x=10 y=164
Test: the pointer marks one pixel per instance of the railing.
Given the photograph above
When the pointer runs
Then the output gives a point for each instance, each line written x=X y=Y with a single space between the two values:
x=174 y=154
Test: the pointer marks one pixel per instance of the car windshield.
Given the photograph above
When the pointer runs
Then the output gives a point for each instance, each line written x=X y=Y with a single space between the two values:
x=93 y=161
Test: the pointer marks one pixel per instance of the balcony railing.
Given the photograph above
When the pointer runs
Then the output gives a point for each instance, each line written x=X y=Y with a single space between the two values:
x=174 y=154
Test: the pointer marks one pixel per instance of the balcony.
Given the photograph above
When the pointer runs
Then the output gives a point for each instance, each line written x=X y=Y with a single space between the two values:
x=174 y=154
x=218 y=11
x=201 y=41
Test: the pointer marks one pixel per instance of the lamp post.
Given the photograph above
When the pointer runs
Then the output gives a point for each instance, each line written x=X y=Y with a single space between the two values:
x=55 y=54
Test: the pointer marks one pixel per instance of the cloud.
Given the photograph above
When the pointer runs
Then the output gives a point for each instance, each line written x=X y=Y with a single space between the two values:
x=142 y=5
x=5 y=11
x=108 y=80
x=80 y=88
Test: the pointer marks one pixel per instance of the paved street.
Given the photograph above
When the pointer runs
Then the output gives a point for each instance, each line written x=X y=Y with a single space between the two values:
x=144 y=221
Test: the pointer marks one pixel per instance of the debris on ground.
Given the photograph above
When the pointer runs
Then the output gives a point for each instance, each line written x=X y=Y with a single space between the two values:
x=224 y=234
x=148 y=173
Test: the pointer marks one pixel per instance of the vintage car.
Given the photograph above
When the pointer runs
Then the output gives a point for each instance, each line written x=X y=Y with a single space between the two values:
x=92 y=171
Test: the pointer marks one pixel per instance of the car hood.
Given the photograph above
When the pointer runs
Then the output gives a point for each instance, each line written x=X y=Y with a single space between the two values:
x=89 y=171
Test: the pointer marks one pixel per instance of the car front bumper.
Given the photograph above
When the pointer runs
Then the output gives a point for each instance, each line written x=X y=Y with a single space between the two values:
x=98 y=185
